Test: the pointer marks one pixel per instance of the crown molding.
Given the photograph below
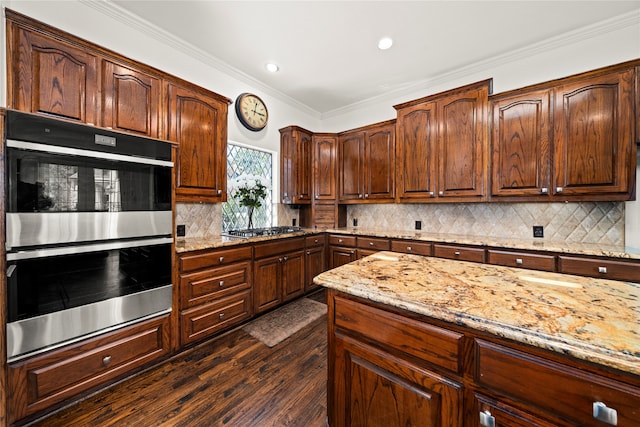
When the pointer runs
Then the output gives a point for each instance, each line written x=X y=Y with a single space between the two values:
x=134 y=21
x=613 y=24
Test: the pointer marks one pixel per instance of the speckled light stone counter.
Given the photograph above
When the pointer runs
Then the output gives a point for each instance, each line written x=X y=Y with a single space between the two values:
x=591 y=319
x=577 y=248
x=214 y=242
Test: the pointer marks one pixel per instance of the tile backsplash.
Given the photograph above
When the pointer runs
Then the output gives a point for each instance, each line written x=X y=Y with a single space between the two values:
x=588 y=222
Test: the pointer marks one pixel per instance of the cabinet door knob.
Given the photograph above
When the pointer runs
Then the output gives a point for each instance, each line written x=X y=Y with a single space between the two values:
x=607 y=415
x=221 y=316
x=285 y=259
x=308 y=252
x=221 y=259
x=106 y=360
x=441 y=193
x=487 y=420
x=558 y=189
x=339 y=240
x=544 y=190
x=359 y=196
x=352 y=252
x=366 y=196
x=315 y=241
x=280 y=259
x=219 y=192
x=221 y=283
x=316 y=196
x=431 y=194
x=519 y=261
x=301 y=196
x=602 y=270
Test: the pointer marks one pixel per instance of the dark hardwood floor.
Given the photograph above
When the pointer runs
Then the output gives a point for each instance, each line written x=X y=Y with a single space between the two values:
x=233 y=380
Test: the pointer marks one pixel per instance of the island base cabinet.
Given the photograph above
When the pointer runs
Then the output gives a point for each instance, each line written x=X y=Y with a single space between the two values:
x=375 y=389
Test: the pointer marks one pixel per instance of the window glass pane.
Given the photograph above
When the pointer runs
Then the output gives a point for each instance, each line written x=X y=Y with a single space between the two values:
x=243 y=164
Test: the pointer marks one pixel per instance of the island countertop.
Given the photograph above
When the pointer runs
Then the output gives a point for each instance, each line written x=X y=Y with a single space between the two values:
x=591 y=319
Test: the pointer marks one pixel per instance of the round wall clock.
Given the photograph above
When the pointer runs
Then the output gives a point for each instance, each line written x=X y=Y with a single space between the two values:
x=251 y=111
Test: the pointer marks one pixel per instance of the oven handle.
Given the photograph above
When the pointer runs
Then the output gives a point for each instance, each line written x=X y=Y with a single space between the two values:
x=71 y=250
x=56 y=149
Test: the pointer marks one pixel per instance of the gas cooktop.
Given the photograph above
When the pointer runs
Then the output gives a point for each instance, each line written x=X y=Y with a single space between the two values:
x=257 y=232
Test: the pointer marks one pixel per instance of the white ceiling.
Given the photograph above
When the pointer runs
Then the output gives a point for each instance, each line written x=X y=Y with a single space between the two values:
x=327 y=50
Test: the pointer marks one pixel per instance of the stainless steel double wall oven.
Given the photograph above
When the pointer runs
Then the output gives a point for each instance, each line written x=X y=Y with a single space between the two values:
x=88 y=231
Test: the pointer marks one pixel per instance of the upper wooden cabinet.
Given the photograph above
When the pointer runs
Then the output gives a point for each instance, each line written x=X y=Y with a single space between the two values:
x=521 y=152
x=295 y=165
x=131 y=100
x=594 y=130
x=570 y=139
x=47 y=75
x=442 y=146
x=198 y=122
x=366 y=164
x=325 y=166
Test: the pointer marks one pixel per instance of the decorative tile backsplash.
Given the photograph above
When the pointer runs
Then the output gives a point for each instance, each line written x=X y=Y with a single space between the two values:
x=588 y=222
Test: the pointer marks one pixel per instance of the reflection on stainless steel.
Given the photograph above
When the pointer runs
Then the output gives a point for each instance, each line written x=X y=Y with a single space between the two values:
x=32 y=229
x=83 y=249
x=37 y=334
x=32 y=146
x=257 y=232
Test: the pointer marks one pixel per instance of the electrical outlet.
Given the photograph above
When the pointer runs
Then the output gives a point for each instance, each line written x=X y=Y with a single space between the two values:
x=355 y=222
x=181 y=230
x=293 y=222
x=418 y=225
x=538 y=231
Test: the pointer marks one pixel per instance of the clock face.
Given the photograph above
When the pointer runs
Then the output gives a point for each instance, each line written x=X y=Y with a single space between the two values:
x=251 y=111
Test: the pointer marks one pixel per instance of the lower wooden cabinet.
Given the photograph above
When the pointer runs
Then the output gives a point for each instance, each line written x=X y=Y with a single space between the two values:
x=390 y=367
x=315 y=259
x=43 y=381
x=600 y=268
x=461 y=253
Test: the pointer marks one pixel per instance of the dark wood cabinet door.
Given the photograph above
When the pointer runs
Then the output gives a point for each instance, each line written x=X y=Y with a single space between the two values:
x=295 y=165
x=462 y=144
x=304 y=170
x=198 y=122
x=351 y=166
x=340 y=256
x=266 y=283
x=379 y=168
x=521 y=151
x=594 y=125
x=314 y=265
x=374 y=388
x=130 y=100
x=416 y=131
x=52 y=77
x=293 y=278
x=325 y=152
x=287 y=166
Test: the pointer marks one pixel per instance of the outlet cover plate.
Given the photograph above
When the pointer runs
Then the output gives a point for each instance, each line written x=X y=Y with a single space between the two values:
x=181 y=230
x=538 y=231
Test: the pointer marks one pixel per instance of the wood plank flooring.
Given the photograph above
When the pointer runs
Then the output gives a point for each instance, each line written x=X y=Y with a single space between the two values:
x=233 y=380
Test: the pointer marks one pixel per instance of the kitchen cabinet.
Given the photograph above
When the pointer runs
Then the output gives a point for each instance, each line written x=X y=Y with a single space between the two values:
x=201 y=167
x=521 y=145
x=295 y=166
x=50 y=75
x=461 y=253
x=531 y=261
x=409 y=363
x=366 y=164
x=43 y=381
x=602 y=268
x=215 y=291
x=130 y=100
x=342 y=250
x=594 y=152
x=315 y=259
x=374 y=377
x=279 y=273
x=443 y=146
x=412 y=247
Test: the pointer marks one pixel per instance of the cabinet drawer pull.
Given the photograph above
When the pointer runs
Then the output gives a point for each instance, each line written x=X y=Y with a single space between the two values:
x=359 y=196
x=107 y=359
x=221 y=283
x=339 y=240
x=370 y=243
x=352 y=251
x=221 y=259
x=602 y=270
x=221 y=316
x=487 y=420
x=607 y=415
x=408 y=248
x=519 y=261
x=457 y=253
x=315 y=241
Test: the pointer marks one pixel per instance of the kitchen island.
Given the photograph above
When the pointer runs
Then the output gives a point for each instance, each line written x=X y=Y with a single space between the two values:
x=460 y=343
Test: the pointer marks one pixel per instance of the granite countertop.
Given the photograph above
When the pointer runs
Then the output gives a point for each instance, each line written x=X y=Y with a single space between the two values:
x=216 y=242
x=613 y=251
x=591 y=319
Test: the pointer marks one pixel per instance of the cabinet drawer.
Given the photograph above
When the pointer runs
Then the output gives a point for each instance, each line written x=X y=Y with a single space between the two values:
x=340 y=240
x=373 y=243
x=556 y=389
x=506 y=415
x=458 y=252
x=411 y=247
x=214 y=258
x=313 y=241
x=602 y=269
x=325 y=213
x=205 y=320
x=522 y=260
x=207 y=285
x=278 y=246
x=45 y=380
x=436 y=345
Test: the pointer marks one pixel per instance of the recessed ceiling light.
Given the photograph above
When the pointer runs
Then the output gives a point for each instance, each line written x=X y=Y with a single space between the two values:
x=272 y=67
x=385 y=43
